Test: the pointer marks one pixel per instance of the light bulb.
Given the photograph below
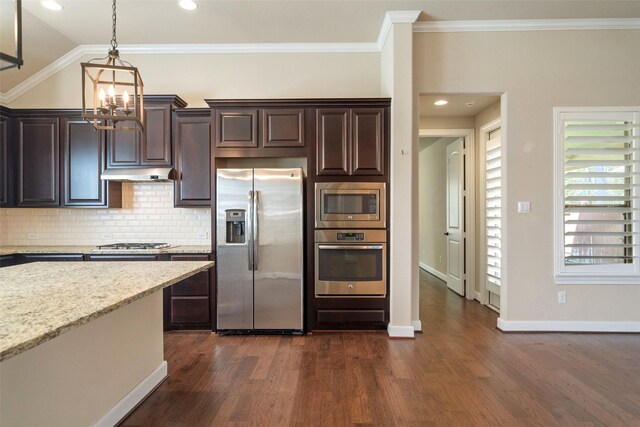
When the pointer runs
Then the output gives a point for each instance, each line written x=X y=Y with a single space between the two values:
x=101 y=94
x=112 y=93
x=125 y=98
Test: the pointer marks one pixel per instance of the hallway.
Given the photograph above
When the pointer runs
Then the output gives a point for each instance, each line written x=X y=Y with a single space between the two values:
x=460 y=371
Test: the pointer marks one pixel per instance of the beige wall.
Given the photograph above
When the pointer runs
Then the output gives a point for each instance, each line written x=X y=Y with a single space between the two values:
x=432 y=122
x=538 y=70
x=432 y=161
x=198 y=76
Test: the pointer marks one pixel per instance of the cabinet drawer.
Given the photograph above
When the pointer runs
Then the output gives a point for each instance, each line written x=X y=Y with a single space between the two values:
x=189 y=309
x=123 y=257
x=350 y=316
x=198 y=284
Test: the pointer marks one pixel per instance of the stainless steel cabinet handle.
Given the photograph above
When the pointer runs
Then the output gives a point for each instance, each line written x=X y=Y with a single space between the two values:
x=357 y=247
x=249 y=232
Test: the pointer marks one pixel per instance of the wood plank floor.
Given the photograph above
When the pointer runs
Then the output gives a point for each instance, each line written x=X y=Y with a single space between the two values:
x=459 y=371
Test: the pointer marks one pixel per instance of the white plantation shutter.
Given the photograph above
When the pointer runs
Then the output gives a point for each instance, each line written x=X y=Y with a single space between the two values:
x=600 y=191
x=493 y=220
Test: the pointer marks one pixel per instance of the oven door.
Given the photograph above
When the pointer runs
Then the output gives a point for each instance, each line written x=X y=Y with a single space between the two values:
x=351 y=269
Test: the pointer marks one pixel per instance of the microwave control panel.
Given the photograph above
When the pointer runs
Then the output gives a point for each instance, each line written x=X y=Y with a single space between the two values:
x=350 y=236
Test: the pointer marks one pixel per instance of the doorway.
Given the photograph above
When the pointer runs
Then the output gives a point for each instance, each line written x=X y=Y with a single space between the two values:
x=462 y=119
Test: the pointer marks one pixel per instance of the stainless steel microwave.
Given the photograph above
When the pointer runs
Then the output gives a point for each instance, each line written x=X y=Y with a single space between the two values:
x=350 y=205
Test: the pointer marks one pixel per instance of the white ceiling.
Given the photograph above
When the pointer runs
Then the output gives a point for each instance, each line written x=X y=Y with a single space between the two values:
x=457 y=106
x=289 y=21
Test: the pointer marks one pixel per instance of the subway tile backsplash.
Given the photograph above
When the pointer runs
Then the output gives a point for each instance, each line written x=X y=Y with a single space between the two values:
x=147 y=215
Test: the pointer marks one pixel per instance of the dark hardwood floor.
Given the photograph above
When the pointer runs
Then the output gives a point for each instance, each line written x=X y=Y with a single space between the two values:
x=460 y=371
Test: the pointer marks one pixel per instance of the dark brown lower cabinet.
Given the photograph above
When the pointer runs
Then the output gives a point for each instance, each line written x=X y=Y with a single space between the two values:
x=50 y=257
x=350 y=313
x=189 y=303
x=8 y=260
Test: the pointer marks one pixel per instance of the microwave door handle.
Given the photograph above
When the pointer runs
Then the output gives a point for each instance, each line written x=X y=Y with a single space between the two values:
x=358 y=247
x=249 y=232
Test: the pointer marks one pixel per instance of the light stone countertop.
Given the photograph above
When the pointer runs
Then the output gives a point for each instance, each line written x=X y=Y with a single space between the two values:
x=178 y=249
x=39 y=301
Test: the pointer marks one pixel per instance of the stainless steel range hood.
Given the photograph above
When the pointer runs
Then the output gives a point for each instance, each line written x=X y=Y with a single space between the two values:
x=139 y=174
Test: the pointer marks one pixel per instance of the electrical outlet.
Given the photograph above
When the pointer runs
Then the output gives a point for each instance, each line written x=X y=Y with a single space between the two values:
x=203 y=236
x=562 y=297
x=106 y=237
x=32 y=236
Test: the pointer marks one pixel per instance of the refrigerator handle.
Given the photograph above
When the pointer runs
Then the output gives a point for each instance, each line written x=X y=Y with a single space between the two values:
x=250 y=233
x=256 y=228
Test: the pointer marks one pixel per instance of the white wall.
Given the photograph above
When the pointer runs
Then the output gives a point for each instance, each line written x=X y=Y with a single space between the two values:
x=432 y=202
x=538 y=70
x=147 y=215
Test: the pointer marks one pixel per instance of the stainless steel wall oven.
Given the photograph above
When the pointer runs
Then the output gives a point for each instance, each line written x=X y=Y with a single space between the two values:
x=350 y=263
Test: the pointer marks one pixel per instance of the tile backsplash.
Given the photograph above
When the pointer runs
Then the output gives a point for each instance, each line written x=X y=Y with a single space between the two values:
x=147 y=215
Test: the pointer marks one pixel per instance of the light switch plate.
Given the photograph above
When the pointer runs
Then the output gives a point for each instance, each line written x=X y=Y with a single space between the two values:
x=524 y=207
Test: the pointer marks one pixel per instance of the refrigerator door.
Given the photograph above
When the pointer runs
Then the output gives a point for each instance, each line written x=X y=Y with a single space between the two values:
x=234 y=249
x=278 y=225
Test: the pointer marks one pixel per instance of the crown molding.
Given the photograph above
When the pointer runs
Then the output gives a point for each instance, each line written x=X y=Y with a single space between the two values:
x=395 y=17
x=526 y=25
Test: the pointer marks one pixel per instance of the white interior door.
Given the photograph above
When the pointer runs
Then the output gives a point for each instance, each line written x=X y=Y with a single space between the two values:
x=455 y=216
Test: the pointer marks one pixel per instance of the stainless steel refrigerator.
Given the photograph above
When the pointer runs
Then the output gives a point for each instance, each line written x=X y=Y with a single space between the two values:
x=259 y=250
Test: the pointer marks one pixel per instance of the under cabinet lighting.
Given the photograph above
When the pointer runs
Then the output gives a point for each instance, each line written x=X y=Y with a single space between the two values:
x=441 y=102
x=51 y=5
x=188 y=4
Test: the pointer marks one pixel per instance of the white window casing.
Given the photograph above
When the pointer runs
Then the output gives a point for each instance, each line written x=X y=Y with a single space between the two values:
x=597 y=195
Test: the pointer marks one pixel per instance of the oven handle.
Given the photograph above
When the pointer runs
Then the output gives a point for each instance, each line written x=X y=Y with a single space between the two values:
x=359 y=247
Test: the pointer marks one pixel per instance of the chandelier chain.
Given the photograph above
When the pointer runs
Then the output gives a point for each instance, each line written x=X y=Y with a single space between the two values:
x=114 y=42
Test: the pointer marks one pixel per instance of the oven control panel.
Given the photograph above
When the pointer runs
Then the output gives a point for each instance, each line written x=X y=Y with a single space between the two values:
x=350 y=236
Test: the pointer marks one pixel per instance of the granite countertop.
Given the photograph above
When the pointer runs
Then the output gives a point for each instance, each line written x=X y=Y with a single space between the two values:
x=178 y=249
x=39 y=301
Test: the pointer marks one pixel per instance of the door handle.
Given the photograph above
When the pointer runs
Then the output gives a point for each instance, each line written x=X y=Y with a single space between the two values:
x=256 y=228
x=446 y=234
x=249 y=233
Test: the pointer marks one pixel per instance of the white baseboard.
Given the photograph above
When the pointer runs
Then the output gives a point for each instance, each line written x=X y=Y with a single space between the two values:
x=417 y=325
x=566 y=326
x=400 y=331
x=478 y=296
x=433 y=271
x=133 y=398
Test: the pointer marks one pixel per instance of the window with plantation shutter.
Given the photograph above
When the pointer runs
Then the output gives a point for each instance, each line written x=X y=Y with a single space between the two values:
x=493 y=216
x=598 y=183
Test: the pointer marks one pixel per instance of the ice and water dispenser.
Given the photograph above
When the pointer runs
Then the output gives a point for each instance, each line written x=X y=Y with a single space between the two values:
x=236 y=225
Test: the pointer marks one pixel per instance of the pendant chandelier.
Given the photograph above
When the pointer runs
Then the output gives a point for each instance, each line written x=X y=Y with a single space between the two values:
x=112 y=96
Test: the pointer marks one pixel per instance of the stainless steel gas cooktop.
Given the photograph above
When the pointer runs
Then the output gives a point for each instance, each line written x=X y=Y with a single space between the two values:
x=135 y=246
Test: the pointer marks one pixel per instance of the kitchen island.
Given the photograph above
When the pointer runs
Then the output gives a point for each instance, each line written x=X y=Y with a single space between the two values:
x=81 y=343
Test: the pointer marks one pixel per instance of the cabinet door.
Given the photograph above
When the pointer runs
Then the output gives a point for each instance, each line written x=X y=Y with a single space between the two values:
x=188 y=302
x=282 y=127
x=332 y=143
x=38 y=162
x=5 y=197
x=367 y=141
x=192 y=186
x=83 y=161
x=124 y=148
x=237 y=128
x=156 y=140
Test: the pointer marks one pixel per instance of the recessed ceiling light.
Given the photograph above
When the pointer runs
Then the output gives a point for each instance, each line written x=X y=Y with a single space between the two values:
x=441 y=102
x=188 y=4
x=51 y=5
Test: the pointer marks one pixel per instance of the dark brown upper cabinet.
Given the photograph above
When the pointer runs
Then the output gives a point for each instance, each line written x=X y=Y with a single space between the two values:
x=192 y=140
x=38 y=162
x=236 y=128
x=350 y=141
x=6 y=199
x=83 y=160
x=151 y=147
x=283 y=127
